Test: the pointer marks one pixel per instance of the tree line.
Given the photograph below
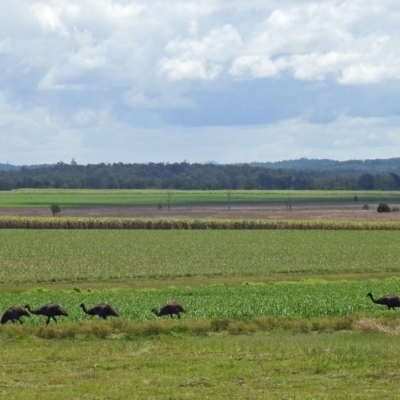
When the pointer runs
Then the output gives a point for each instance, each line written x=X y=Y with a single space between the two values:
x=187 y=176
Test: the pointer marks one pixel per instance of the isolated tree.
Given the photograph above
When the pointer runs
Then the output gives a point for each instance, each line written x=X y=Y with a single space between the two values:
x=55 y=209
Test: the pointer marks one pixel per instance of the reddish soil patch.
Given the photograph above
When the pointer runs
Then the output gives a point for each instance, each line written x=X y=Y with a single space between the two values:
x=309 y=211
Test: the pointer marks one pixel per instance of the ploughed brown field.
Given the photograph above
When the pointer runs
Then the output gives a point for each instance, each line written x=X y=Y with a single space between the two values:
x=308 y=211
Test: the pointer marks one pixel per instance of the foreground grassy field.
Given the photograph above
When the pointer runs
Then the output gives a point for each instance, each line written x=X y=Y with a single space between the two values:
x=352 y=365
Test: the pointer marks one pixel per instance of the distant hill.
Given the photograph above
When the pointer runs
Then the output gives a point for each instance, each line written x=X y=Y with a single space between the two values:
x=333 y=167
x=8 y=167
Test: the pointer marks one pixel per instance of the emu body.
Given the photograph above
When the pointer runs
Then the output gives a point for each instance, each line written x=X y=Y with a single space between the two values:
x=171 y=308
x=103 y=310
x=51 y=311
x=391 y=301
x=14 y=313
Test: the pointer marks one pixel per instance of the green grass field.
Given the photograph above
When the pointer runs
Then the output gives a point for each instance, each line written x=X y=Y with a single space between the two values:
x=276 y=314
x=267 y=366
x=82 y=198
x=103 y=255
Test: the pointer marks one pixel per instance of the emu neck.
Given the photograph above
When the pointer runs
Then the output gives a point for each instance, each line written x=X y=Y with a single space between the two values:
x=36 y=312
x=372 y=298
x=85 y=310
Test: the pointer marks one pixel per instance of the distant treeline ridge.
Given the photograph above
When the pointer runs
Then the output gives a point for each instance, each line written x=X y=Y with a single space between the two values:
x=194 y=176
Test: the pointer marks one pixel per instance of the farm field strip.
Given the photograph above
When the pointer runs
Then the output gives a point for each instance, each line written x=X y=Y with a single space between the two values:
x=114 y=197
x=295 y=300
x=103 y=255
x=337 y=366
x=189 y=224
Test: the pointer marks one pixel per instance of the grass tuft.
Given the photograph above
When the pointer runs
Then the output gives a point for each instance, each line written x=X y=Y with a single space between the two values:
x=370 y=325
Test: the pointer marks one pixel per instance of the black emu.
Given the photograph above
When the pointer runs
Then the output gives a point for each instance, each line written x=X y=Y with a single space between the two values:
x=51 y=311
x=103 y=310
x=172 y=307
x=14 y=313
x=391 y=301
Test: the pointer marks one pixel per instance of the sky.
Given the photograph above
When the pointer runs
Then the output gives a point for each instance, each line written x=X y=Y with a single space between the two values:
x=230 y=81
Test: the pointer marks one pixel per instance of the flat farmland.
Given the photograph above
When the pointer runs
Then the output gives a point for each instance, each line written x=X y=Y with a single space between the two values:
x=149 y=197
x=241 y=204
x=34 y=256
x=270 y=314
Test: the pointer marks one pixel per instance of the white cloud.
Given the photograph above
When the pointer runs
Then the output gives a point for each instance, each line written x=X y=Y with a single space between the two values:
x=200 y=59
x=320 y=40
x=156 y=101
x=255 y=66
x=364 y=73
x=48 y=18
x=177 y=69
x=215 y=68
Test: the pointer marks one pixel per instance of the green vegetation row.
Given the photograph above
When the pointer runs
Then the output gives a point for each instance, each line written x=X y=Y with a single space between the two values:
x=265 y=305
x=188 y=224
x=187 y=198
x=304 y=299
x=105 y=255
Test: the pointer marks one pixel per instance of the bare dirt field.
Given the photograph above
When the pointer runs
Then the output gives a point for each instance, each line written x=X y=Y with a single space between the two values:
x=309 y=211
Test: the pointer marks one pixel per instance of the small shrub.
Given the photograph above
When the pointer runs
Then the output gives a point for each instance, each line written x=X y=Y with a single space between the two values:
x=395 y=209
x=383 y=207
x=365 y=207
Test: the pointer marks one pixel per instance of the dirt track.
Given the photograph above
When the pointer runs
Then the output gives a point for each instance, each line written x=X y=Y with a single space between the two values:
x=309 y=211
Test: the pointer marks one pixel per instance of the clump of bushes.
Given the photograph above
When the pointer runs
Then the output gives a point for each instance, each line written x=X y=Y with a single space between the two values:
x=365 y=207
x=383 y=207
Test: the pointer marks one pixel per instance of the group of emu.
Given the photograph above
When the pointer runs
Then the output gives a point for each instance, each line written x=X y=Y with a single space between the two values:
x=103 y=310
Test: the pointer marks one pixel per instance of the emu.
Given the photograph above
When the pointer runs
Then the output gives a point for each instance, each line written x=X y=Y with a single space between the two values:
x=14 y=313
x=103 y=310
x=51 y=311
x=172 y=307
x=390 y=301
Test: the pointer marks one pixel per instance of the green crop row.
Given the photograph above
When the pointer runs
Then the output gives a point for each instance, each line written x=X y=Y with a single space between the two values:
x=246 y=301
x=187 y=224
x=112 y=197
x=103 y=255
